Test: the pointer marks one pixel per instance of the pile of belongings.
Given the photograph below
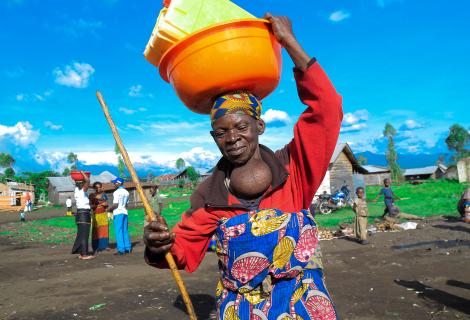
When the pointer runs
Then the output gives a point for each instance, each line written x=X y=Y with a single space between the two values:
x=387 y=226
x=327 y=234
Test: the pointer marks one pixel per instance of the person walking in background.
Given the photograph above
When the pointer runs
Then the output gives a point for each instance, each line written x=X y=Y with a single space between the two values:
x=82 y=218
x=156 y=201
x=389 y=198
x=68 y=204
x=362 y=212
x=464 y=205
x=120 y=218
x=100 y=225
x=392 y=213
x=28 y=207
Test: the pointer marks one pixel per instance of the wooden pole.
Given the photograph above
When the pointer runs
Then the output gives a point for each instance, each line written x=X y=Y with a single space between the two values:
x=148 y=209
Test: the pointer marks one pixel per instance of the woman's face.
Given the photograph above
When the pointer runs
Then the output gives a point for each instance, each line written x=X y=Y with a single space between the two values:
x=99 y=188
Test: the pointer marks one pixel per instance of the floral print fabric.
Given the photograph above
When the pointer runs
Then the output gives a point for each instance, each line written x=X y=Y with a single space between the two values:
x=270 y=269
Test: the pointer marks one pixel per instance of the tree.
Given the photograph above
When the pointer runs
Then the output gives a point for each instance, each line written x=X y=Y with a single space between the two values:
x=6 y=160
x=193 y=175
x=180 y=164
x=9 y=173
x=391 y=155
x=72 y=158
x=362 y=160
x=39 y=179
x=66 y=172
x=458 y=140
x=121 y=166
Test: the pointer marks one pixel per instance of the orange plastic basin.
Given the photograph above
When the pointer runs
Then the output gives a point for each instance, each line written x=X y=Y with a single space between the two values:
x=237 y=55
x=78 y=176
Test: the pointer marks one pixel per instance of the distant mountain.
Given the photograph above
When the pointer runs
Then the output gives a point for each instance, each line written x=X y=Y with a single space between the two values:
x=142 y=169
x=406 y=161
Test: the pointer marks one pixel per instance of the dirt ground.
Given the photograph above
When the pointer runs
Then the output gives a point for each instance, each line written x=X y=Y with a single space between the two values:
x=37 y=214
x=416 y=274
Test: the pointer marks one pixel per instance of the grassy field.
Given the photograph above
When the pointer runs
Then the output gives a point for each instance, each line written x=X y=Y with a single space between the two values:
x=427 y=199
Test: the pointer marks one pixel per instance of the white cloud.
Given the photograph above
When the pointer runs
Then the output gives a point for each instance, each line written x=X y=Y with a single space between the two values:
x=138 y=128
x=411 y=125
x=351 y=118
x=190 y=139
x=39 y=97
x=132 y=111
x=339 y=15
x=21 y=133
x=135 y=91
x=165 y=127
x=76 y=75
x=127 y=110
x=354 y=128
x=19 y=141
x=80 y=27
x=197 y=155
x=355 y=121
x=52 y=126
x=272 y=115
x=23 y=97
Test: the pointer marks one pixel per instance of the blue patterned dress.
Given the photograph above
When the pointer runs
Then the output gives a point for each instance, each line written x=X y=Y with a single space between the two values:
x=269 y=268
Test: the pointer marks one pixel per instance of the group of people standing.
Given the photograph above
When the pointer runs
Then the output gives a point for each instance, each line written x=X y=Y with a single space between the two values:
x=93 y=211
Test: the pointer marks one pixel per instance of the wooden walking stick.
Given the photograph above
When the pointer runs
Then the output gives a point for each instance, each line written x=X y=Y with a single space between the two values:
x=150 y=215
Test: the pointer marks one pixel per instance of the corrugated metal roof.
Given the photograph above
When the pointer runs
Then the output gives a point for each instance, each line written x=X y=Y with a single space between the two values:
x=375 y=169
x=66 y=184
x=338 y=148
x=62 y=184
x=103 y=177
x=420 y=171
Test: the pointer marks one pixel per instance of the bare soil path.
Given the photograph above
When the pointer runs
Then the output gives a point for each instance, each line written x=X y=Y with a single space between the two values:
x=416 y=274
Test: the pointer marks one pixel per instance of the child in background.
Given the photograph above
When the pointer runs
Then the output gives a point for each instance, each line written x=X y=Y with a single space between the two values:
x=28 y=207
x=68 y=204
x=362 y=212
x=389 y=198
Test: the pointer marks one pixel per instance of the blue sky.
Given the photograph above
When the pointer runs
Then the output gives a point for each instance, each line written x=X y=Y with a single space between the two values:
x=405 y=62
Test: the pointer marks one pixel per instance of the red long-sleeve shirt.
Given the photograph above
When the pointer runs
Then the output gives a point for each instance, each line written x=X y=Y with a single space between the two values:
x=297 y=169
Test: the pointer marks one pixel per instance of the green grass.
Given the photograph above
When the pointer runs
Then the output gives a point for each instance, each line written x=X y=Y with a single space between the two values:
x=176 y=192
x=63 y=229
x=427 y=199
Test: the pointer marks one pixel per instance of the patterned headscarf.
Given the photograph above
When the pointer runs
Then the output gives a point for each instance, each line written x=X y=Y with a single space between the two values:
x=238 y=102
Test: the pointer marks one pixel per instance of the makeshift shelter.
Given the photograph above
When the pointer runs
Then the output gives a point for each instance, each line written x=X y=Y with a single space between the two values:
x=343 y=170
x=431 y=172
x=134 y=198
x=60 y=188
x=13 y=194
x=463 y=169
x=375 y=175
